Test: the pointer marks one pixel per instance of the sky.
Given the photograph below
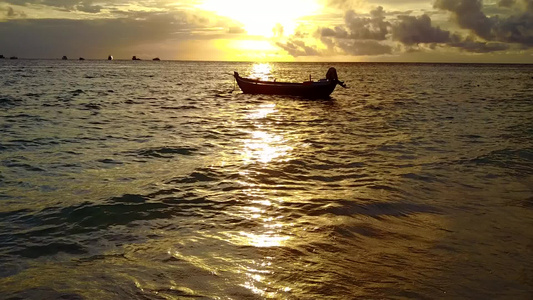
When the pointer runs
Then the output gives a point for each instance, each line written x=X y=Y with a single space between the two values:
x=486 y=31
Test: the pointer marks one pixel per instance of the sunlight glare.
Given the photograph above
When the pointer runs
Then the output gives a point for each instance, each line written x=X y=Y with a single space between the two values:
x=269 y=239
x=264 y=147
x=260 y=17
x=262 y=72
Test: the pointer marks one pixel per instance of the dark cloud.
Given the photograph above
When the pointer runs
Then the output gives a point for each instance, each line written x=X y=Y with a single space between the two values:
x=360 y=28
x=89 y=8
x=517 y=28
x=371 y=35
x=364 y=47
x=338 y=32
x=64 y=5
x=236 y=30
x=360 y=35
x=298 y=48
x=47 y=38
x=365 y=35
x=414 y=30
x=468 y=15
x=373 y=28
x=470 y=45
x=506 y=3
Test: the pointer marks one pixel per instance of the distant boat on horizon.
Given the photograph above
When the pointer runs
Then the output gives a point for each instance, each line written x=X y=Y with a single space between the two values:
x=13 y=57
x=64 y=57
x=1 y=56
x=157 y=58
x=81 y=58
x=135 y=58
x=110 y=57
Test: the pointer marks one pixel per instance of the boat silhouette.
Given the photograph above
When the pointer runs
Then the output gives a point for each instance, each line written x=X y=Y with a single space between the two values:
x=309 y=89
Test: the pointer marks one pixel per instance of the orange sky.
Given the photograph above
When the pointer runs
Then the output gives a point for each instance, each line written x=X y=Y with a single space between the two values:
x=274 y=30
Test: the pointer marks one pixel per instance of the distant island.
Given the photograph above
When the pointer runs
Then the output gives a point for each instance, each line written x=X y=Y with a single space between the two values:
x=157 y=58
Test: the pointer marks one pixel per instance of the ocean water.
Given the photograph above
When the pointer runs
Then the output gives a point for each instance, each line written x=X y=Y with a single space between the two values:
x=160 y=180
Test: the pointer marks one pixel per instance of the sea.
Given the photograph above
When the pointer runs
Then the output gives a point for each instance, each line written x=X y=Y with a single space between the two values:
x=162 y=180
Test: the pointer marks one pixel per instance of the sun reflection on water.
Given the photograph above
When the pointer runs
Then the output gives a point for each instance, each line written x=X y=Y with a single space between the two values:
x=264 y=146
x=261 y=71
x=267 y=239
x=263 y=111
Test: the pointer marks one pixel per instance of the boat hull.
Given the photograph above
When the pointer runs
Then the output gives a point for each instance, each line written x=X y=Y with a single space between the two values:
x=321 y=89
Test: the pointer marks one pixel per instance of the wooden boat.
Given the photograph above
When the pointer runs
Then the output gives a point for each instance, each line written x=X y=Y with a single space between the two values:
x=309 y=89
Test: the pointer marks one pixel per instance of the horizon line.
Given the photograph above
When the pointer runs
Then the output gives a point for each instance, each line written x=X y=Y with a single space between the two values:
x=273 y=61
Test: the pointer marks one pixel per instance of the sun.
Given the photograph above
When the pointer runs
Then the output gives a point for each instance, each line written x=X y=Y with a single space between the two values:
x=261 y=17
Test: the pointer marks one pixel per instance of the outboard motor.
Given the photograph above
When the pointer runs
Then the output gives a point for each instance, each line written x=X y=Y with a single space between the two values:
x=331 y=75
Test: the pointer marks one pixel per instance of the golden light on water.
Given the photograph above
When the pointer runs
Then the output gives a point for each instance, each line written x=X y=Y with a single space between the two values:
x=262 y=72
x=263 y=146
x=267 y=239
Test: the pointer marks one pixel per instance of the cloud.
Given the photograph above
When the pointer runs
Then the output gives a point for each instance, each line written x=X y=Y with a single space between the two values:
x=377 y=34
x=414 y=30
x=360 y=28
x=517 y=28
x=65 y=4
x=48 y=38
x=118 y=27
x=468 y=15
x=87 y=7
x=236 y=30
x=298 y=48
x=360 y=35
x=364 y=47
x=506 y=3
x=470 y=45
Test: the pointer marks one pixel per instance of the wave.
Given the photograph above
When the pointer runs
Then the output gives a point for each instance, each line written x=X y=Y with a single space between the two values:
x=165 y=152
